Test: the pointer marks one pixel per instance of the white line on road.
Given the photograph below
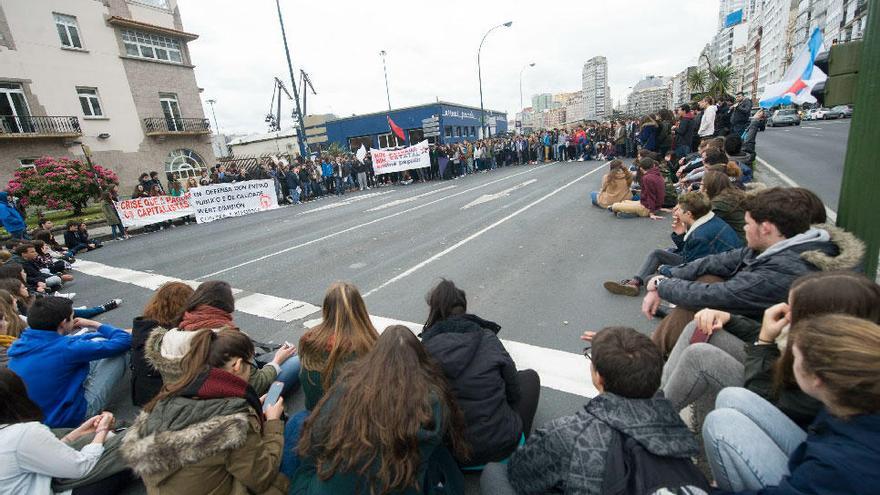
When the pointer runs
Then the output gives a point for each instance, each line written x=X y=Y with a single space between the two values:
x=832 y=215
x=503 y=194
x=560 y=370
x=410 y=199
x=480 y=232
x=362 y=225
x=346 y=202
x=810 y=127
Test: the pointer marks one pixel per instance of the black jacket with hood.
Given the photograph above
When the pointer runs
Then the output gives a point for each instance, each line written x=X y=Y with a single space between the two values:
x=483 y=378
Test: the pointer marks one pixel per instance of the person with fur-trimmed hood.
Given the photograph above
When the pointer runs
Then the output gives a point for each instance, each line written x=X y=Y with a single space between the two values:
x=206 y=433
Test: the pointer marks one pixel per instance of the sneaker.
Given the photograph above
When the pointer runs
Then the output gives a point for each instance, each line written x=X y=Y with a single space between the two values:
x=624 y=288
x=68 y=295
x=111 y=304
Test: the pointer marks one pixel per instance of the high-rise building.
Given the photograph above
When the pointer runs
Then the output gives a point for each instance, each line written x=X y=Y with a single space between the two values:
x=775 y=20
x=681 y=91
x=541 y=102
x=597 y=94
x=840 y=20
x=649 y=95
x=114 y=75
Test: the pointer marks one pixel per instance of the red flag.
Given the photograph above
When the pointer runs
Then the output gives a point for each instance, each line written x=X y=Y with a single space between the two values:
x=396 y=129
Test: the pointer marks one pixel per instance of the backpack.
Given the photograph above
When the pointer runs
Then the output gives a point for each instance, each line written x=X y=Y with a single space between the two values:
x=631 y=470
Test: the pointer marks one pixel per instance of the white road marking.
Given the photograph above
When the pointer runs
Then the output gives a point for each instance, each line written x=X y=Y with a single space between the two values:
x=346 y=202
x=560 y=370
x=810 y=127
x=480 y=232
x=410 y=199
x=362 y=225
x=503 y=194
x=832 y=215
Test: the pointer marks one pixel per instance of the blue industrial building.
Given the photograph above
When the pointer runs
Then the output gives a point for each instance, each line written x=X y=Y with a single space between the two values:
x=438 y=122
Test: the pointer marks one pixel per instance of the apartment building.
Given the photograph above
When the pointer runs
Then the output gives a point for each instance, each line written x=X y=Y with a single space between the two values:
x=111 y=76
x=650 y=95
x=597 y=94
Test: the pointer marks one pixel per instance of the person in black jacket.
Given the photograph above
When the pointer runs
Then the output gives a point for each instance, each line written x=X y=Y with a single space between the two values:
x=498 y=401
x=163 y=310
x=26 y=256
x=72 y=239
x=685 y=130
x=740 y=114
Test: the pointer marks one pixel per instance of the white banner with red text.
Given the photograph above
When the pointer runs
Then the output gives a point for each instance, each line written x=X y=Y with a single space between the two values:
x=233 y=200
x=388 y=161
x=154 y=209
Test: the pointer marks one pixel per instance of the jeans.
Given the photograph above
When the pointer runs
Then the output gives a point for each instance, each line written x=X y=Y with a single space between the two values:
x=104 y=376
x=340 y=186
x=654 y=260
x=495 y=481
x=75 y=249
x=682 y=150
x=560 y=152
x=88 y=313
x=289 y=374
x=117 y=231
x=748 y=441
x=594 y=197
x=292 y=431
x=54 y=282
x=362 y=180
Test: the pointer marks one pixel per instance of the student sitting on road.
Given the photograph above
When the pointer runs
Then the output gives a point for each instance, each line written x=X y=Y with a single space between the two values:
x=782 y=246
x=206 y=432
x=568 y=455
x=727 y=201
x=653 y=190
x=741 y=352
x=615 y=186
x=361 y=441
x=696 y=232
x=31 y=455
x=71 y=377
x=752 y=446
x=499 y=402
x=211 y=306
x=25 y=254
x=164 y=310
x=73 y=239
x=11 y=325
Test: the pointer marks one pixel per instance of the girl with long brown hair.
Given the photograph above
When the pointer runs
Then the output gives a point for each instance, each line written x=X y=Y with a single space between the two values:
x=206 y=432
x=345 y=332
x=726 y=200
x=615 y=186
x=11 y=325
x=359 y=440
x=752 y=446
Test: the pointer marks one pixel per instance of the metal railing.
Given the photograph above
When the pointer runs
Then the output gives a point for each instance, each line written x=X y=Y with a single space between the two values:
x=39 y=125
x=164 y=125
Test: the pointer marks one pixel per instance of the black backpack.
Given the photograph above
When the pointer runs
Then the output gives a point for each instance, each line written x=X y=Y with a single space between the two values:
x=631 y=470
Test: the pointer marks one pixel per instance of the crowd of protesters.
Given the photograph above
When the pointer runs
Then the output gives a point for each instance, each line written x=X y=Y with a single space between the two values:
x=769 y=335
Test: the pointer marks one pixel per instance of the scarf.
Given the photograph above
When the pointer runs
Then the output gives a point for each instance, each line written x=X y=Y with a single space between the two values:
x=205 y=316
x=6 y=340
x=217 y=383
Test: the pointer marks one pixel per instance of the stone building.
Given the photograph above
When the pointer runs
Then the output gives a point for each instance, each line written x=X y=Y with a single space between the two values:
x=112 y=76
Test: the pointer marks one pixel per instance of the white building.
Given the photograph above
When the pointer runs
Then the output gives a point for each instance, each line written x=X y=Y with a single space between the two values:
x=649 y=95
x=597 y=94
x=576 y=109
x=681 y=91
x=841 y=20
x=775 y=20
x=275 y=143
x=542 y=102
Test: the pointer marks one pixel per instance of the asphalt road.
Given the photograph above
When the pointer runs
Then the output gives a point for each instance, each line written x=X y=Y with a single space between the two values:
x=811 y=154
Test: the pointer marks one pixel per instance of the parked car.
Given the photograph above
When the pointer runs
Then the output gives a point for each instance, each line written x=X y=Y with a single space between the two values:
x=827 y=113
x=785 y=116
x=762 y=125
x=845 y=110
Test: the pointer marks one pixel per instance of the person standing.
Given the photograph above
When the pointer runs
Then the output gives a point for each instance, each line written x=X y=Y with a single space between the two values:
x=740 y=114
x=684 y=131
x=11 y=218
x=707 y=122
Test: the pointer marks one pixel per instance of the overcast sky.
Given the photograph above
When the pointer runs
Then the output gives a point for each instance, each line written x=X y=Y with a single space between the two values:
x=431 y=53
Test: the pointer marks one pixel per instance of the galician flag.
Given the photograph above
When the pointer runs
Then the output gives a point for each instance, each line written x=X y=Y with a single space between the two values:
x=799 y=79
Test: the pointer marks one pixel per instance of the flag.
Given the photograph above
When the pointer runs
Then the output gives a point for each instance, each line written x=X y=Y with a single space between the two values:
x=361 y=153
x=396 y=129
x=799 y=79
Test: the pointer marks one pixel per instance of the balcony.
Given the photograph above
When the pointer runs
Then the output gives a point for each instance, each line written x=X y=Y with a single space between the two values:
x=33 y=127
x=162 y=126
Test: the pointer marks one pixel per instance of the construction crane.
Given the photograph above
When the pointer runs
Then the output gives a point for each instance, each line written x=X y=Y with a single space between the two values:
x=274 y=120
x=303 y=81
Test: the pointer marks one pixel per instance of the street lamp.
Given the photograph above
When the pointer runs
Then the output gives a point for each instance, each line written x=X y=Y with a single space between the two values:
x=211 y=102
x=385 y=70
x=520 y=84
x=480 y=74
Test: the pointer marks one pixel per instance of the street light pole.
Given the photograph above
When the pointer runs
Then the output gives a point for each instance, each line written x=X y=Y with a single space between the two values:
x=521 y=107
x=480 y=75
x=211 y=102
x=301 y=128
x=385 y=70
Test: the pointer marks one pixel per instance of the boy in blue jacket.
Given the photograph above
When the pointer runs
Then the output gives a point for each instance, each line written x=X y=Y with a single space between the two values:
x=71 y=377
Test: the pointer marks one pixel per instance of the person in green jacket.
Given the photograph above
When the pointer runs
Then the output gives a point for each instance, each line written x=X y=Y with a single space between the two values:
x=359 y=440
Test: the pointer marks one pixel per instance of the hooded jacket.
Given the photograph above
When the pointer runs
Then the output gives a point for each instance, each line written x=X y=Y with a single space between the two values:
x=9 y=216
x=209 y=444
x=31 y=269
x=653 y=189
x=684 y=133
x=146 y=381
x=755 y=281
x=483 y=378
x=568 y=453
x=615 y=188
x=727 y=207
x=707 y=236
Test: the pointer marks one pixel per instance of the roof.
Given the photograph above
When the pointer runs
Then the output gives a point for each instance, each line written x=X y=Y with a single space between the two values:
x=650 y=82
x=131 y=23
x=439 y=102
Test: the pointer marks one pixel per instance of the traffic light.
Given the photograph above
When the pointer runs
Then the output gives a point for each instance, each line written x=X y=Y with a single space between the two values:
x=841 y=64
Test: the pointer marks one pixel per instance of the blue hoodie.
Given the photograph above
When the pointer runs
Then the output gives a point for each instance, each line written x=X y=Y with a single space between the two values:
x=54 y=368
x=9 y=216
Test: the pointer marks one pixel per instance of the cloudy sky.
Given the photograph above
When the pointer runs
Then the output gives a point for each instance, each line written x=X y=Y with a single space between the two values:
x=431 y=53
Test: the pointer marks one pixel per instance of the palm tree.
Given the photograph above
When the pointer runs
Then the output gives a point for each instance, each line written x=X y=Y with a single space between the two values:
x=720 y=80
x=697 y=80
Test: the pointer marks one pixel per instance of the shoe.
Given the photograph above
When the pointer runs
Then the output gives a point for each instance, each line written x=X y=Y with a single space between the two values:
x=623 y=288
x=69 y=295
x=111 y=304
x=660 y=313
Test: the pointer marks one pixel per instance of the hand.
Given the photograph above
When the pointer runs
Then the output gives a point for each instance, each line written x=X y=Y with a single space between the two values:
x=284 y=353
x=776 y=318
x=709 y=320
x=650 y=304
x=89 y=426
x=85 y=323
x=656 y=217
x=651 y=285
x=678 y=227
x=41 y=287
x=588 y=336
x=106 y=422
x=275 y=410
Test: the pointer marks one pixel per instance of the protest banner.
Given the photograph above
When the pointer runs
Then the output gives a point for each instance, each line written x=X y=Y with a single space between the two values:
x=233 y=200
x=145 y=211
x=388 y=161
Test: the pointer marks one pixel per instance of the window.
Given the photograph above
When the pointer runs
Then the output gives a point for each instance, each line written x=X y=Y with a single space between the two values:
x=473 y=131
x=27 y=163
x=389 y=141
x=458 y=131
x=447 y=131
x=14 y=111
x=68 y=30
x=162 y=4
x=89 y=101
x=171 y=111
x=146 y=45
x=185 y=163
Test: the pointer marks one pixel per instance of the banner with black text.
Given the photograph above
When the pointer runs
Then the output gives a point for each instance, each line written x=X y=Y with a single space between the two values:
x=233 y=200
x=388 y=161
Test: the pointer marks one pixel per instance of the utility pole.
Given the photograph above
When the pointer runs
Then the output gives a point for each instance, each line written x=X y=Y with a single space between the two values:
x=480 y=78
x=385 y=70
x=757 y=65
x=301 y=127
x=211 y=102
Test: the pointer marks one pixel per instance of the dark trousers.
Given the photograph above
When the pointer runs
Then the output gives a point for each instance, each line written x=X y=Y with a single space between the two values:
x=530 y=392
x=656 y=258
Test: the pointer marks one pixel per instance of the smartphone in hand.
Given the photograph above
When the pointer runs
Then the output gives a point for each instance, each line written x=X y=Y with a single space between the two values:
x=273 y=395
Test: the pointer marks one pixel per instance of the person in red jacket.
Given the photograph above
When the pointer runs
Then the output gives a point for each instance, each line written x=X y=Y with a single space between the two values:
x=652 y=195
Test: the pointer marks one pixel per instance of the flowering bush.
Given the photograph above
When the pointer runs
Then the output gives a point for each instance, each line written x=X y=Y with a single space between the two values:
x=60 y=183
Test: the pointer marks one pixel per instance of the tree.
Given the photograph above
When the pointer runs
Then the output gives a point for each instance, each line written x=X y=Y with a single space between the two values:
x=697 y=81
x=60 y=183
x=720 y=80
